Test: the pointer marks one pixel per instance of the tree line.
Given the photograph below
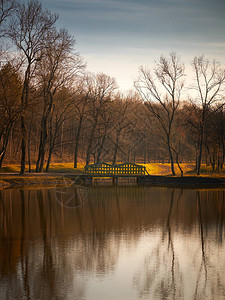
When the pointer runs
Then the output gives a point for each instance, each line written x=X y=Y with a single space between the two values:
x=52 y=109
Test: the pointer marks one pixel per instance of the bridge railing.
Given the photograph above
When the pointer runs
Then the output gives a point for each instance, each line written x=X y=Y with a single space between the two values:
x=124 y=169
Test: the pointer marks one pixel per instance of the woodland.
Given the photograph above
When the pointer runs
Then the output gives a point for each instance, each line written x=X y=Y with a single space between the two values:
x=53 y=110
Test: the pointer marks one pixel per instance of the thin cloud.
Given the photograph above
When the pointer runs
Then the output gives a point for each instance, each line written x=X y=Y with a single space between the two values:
x=141 y=28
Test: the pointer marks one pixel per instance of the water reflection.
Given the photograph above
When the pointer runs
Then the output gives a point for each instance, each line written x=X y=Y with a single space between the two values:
x=120 y=243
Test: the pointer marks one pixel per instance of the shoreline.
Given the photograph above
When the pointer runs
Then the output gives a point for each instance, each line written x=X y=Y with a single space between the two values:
x=183 y=182
x=48 y=180
x=13 y=181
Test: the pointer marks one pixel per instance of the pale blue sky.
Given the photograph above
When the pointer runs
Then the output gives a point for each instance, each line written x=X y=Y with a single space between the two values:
x=117 y=36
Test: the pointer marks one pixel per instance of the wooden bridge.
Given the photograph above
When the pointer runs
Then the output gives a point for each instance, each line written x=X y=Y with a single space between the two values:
x=114 y=171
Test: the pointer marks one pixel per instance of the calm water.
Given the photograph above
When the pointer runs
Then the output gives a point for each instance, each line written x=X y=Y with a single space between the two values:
x=112 y=242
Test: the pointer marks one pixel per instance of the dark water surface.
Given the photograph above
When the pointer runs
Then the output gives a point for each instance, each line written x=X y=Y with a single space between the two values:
x=112 y=242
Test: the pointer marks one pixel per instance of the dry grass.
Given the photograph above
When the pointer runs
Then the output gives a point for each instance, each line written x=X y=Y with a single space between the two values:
x=54 y=168
x=54 y=178
x=152 y=168
x=11 y=169
x=155 y=168
x=188 y=169
x=164 y=169
x=66 y=168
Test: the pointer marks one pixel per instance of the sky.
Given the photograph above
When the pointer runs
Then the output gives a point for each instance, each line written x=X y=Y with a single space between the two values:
x=116 y=37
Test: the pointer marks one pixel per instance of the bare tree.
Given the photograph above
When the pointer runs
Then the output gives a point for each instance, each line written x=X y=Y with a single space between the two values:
x=161 y=92
x=10 y=108
x=58 y=67
x=28 y=31
x=210 y=80
x=7 y=8
x=101 y=89
x=62 y=111
x=81 y=111
x=121 y=122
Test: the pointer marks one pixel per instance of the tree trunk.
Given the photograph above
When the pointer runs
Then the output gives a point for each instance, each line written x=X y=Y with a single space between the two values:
x=145 y=153
x=5 y=144
x=200 y=148
x=49 y=158
x=116 y=148
x=51 y=147
x=177 y=161
x=61 y=140
x=23 y=145
x=2 y=155
x=199 y=154
x=76 y=152
x=77 y=141
x=43 y=139
x=24 y=103
x=90 y=145
x=99 y=153
x=28 y=148
x=222 y=162
x=171 y=162
x=170 y=156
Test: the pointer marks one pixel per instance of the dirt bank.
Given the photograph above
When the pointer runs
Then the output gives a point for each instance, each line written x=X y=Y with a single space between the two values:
x=32 y=181
x=185 y=181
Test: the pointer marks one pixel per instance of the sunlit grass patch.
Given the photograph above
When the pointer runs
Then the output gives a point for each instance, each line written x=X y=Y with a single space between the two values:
x=207 y=170
x=11 y=168
x=151 y=168
x=66 y=167
x=186 y=167
x=165 y=169
x=54 y=167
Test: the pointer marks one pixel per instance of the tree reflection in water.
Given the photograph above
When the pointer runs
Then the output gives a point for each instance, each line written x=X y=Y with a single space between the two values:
x=164 y=275
x=49 y=251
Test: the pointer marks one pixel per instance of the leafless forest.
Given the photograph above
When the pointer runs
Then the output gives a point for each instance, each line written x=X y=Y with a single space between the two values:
x=53 y=110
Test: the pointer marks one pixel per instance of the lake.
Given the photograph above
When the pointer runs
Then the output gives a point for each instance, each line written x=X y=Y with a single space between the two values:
x=112 y=242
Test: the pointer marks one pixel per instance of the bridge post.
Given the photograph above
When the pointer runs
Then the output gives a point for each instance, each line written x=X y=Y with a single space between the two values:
x=115 y=179
x=88 y=180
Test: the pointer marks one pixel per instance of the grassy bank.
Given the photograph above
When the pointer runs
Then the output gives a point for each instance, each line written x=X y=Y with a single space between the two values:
x=152 y=168
x=188 y=169
x=10 y=178
x=32 y=181
x=9 y=175
x=54 y=168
